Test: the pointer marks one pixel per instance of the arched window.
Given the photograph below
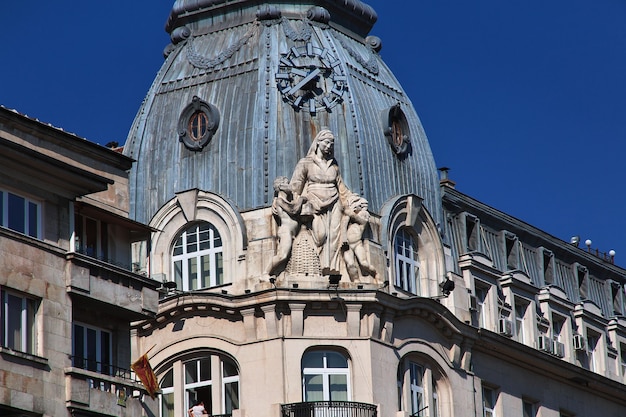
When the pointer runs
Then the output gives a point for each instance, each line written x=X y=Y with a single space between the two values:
x=212 y=379
x=407 y=263
x=197 y=260
x=325 y=376
x=418 y=388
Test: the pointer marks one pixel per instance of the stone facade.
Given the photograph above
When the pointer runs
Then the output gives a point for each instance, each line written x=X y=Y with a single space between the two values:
x=65 y=271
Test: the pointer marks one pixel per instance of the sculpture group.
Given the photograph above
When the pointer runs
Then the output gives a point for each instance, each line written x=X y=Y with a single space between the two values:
x=317 y=202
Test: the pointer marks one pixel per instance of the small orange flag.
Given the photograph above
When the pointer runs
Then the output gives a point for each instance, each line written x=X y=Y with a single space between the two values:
x=144 y=372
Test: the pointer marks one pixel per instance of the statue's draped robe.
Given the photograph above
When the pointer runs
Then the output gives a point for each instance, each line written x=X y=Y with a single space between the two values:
x=320 y=181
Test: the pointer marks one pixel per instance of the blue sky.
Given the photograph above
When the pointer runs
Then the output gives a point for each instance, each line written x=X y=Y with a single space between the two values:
x=525 y=101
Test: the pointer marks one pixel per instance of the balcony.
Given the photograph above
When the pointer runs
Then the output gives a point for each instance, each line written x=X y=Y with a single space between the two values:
x=131 y=295
x=329 y=409
x=93 y=385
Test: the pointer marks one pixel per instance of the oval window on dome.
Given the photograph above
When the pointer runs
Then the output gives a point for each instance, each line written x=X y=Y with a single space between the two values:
x=197 y=124
x=396 y=129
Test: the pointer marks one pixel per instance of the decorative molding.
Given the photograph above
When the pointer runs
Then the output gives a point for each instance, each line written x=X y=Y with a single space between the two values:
x=304 y=34
x=202 y=62
x=370 y=65
x=318 y=14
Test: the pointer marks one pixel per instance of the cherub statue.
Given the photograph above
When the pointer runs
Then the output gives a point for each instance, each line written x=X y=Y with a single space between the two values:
x=285 y=210
x=356 y=218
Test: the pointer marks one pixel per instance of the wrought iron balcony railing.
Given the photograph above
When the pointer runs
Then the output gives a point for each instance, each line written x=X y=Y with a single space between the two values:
x=329 y=409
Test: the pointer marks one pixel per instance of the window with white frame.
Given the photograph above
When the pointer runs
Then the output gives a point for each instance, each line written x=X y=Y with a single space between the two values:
x=481 y=307
x=230 y=386
x=20 y=214
x=18 y=321
x=166 y=397
x=416 y=375
x=199 y=383
x=407 y=263
x=212 y=379
x=593 y=340
x=418 y=393
x=92 y=348
x=325 y=376
x=91 y=237
x=622 y=355
x=520 y=314
x=489 y=402
x=197 y=259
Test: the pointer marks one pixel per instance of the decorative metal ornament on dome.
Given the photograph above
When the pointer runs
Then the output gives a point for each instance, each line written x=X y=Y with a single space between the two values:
x=311 y=78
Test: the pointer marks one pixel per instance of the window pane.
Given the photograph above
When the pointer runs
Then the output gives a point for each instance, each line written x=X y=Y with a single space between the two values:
x=17 y=215
x=167 y=405
x=231 y=399
x=219 y=269
x=191 y=372
x=313 y=359
x=313 y=388
x=338 y=387
x=192 y=270
x=105 y=340
x=79 y=346
x=33 y=220
x=205 y=369
x=336 y=360
x=13 y=322
x=230 y=369
x=178 y=246
x=192 y=238
x=205 y=265
x=168 y=379
x=205 y=242
x=91 y=350
x=178 y=274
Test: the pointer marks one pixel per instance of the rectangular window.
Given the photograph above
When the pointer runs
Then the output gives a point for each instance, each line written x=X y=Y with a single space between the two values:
x=417 y=389
x=548 y=268
x=230 y=387
x=92 y=349
x=481 y=297
x=20 y=214
x=512 y=254
x=92 y=237
x=472 y=231
x=593 y=340
x=18 y=322
x=529 y=409
x=489 y=402
x=622 y=354
x=582 y=281
x=520 y=313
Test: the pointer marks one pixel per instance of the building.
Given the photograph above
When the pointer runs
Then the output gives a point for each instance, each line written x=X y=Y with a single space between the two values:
x=310 y=258
x=67 y=285
x=437 y=305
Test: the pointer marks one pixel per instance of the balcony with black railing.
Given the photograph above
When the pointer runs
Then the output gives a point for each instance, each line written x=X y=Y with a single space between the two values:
x=329 y=409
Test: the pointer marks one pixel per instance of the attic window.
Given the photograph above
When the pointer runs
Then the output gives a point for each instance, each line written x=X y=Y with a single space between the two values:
x=197 y=124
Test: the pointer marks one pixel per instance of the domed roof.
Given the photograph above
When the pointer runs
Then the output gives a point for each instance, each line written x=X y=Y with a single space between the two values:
x=245 y=87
